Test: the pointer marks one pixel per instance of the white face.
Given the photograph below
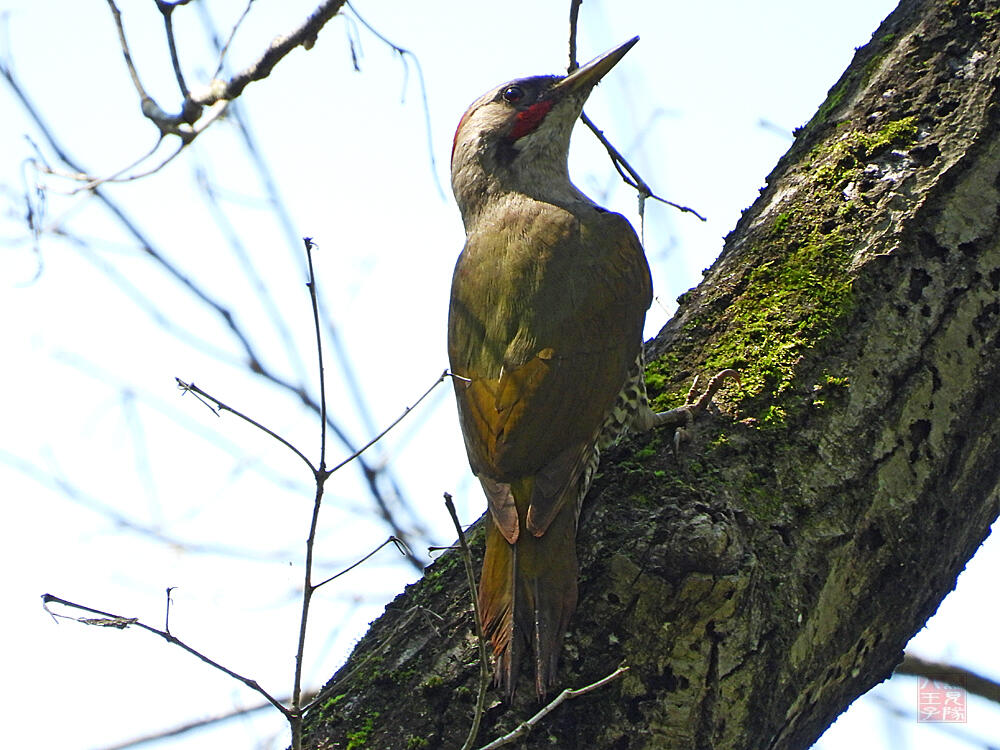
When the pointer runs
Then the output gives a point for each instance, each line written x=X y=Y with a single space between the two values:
x=520 y=127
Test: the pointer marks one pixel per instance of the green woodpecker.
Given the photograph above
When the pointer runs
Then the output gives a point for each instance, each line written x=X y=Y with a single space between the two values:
x=545 y=327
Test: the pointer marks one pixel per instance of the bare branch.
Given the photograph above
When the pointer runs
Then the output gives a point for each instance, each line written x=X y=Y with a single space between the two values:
x=403 y=54
x=223 y=49
x=304 y=36
x=629 y=175
x=133 y=73
x=526 y=726
x=574 y=17
x=632 y=178
x=253 y=361
x=222 y=406
x=484 y=671
x=167 y=11
x=395 y=422
x=321 y=474
x=311 y=284
x=400 y=546
x=370 y=473
x=193 y=725
x=974 y=682
x=107 y=619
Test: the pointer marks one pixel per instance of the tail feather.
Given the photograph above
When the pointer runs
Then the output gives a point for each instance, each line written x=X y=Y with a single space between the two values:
x=527 y=595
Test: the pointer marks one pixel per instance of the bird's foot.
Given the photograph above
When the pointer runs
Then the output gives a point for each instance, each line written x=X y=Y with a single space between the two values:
x=681 y=418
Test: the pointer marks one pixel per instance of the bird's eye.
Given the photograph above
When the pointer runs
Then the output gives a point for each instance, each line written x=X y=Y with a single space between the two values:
x=512 y=94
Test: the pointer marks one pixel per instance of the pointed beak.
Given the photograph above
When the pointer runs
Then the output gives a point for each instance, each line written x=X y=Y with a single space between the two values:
x=583 y=79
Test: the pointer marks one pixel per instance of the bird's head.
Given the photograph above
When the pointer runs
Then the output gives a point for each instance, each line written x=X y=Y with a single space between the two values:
x=516 y=136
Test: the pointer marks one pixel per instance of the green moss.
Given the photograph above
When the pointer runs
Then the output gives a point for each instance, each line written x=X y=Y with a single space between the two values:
x=790 y=302
x=416 y=743
x=759 y=499
x=432 y=683
x=885 y=44
x=645 y=453
x=829 y=387
x=833 y=99
x=782 y=221
x=797 y=295
x=984 y=15
x=853 y=81
x=839 y=161
x=327 y=710
x=359 y=738
x=434 y=578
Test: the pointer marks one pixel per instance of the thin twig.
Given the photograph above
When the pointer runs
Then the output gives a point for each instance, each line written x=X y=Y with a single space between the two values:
x=111 y=620
x=953 y=675
x=222 y=406
x=167 y=11
x=311 y=285
x=123 y=42
x=526 y=726
x=628 y=174
x=303 y=36
x=247 y=264
x=179 y=124
x=484 y=672
x=369 y=472
x=574 y=16
x=403 y=54
x=191 y=726
x=224 y=48
x=321 y=474
x=400 y=545
x=166 y=619
x=632 y=178
x=395 y=422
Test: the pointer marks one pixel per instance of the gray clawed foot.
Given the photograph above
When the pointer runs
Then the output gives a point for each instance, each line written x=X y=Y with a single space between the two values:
x=682 y=418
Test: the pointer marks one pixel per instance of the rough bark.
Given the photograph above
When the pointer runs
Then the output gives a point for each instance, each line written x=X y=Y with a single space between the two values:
x=774 y=572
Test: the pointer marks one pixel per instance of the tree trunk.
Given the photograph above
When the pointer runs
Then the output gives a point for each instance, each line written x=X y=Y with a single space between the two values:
x=760 y=582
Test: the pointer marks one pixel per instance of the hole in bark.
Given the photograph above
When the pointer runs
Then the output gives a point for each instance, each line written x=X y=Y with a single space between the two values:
x=919 y=431
x=919 y=278
x=946 y=107
x=924 y=155
x=667 y=681
x=870 y=539
x=783 y=533
x=634 y=711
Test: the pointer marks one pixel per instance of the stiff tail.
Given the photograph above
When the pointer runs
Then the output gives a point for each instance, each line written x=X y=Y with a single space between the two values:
x=527 y=594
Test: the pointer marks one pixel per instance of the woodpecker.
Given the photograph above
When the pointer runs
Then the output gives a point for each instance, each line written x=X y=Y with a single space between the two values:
x=548 y=301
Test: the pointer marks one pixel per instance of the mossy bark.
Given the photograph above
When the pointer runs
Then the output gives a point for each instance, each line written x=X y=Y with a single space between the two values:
x=774 y=572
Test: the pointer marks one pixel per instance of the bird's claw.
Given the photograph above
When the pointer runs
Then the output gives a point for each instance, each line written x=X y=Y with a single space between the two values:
x=682 y=418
